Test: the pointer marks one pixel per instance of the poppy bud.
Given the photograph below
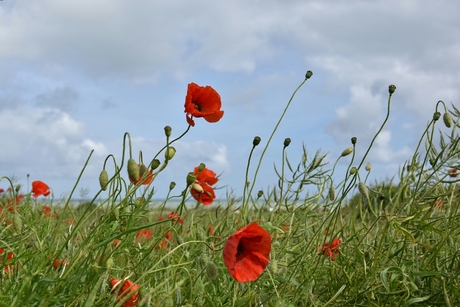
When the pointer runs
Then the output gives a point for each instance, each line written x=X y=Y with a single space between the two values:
x=287 y=141
x=392 y=89
x=17 y=223
x=347 y=151
x=197 y=188
x=18 y=187
x=274 y=266
x=116 y=213
x=104 y=179
x=308 y=74
x=447 y=120
x=260 y=193
x=363 y=190
x=142 y=170
x=172 y=185
x=436 y=116
x=191 y=177
x=353 y=140
x=201 y=167
x=155 y=164
x=168 y=131
x=353 y=170
x=331 y=193
x=110 y=263
x=432 y=161
x=169 y=153
x=211 y=270
x=256 y=141
x=368 y=167
x=133 y=170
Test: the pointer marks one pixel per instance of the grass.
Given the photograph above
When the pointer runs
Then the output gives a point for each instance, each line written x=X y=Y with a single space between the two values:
x=399 y=241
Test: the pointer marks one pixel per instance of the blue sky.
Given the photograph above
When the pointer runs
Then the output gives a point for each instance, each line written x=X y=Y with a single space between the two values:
x=77 y=75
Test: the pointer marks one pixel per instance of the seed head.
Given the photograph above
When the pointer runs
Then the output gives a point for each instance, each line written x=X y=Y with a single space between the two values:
x=392 y=89
x=155 y=164
x=201 y=167
x=170 y=152
x=256 y=141
x=353 y=170
x=308 y=74
x=172 y=185
x=191 y=177
x=353 y=140
x=436 y=116
x=260 y=194
x=168 y=130
x=287 y=141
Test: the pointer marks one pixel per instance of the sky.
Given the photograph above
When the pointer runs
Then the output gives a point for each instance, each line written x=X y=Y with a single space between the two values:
x=76 y=75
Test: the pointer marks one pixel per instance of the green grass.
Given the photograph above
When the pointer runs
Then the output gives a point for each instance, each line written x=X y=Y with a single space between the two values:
x=400 y=240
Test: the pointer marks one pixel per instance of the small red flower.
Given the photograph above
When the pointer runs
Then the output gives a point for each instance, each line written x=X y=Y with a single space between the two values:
x=247 y=253
x=128 y=288
x=452 y=173
x=60 y=262
x=2 y=190
x=175 y=217
x=201 y=190
x=202 y=101
x=9 y=267
x=438 y=204
x=160 y=218
x=210 y=229
x=330 y=249
x=144 y=179
x=47 y=211
x=70 y=222
x=40 y=188
x=116 y=242
x=143 y=235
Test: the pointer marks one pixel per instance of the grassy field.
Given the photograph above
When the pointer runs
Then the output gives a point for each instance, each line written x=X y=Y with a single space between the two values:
x=348 y=243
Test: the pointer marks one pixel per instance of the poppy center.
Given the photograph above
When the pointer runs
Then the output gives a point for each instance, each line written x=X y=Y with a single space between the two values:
x=240 y=250
x=197 y=105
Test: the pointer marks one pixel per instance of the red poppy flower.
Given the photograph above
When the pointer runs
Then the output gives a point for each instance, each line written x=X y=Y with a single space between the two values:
x=2 y=190
x=9 y=267
x=60 y=262
x=202 y=101
x=210 y=229
x=452 y=173
x=175 y=217
x=116 y=242
x=128 y=288
x=40 y=188
x=201 y=190
x=330 y=249
x=247 y=253
x=144 y=235
x=49 y=212
x=143 y=178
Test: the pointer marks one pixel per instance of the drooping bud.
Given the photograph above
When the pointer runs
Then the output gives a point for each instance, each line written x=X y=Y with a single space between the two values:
x=172 y=185
x=368 y=166
x=256 y=141
x=142 y=170
x=211 y=270
x=191 y=177
x=308 y=74
x=287 y=141
x=201 y=167
x=363 y=190
x=353 y=170
x=260 y=194
x=436 y=116
x=133 y=170
x=103 y=180
x=168 y=130
x=447 y=120
x=170 y=152
x=347 y=151
x=392 y=89
x=155 y=164
x=353 y=140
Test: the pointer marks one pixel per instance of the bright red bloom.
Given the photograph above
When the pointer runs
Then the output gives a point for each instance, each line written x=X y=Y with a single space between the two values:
x=143 y=178
x=210 y=229
x=175 y=217
x=2 y=190
x=40 y=188
x=59 y=262
x=452 y=173
x=202 y=101
x=127 y=288
x=49 y=212
x=330 y=249
x=10 y=255
x=144 y=235
x=247 y=252
x=160 y=218
x=201 y=190
x=116 y=242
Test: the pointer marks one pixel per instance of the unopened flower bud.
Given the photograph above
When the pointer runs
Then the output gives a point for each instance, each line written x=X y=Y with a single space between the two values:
x=391 y=89
x=353 y=140
x=170 y=152
x=172 y=185
x=191 y=177
x=155 y=164
x=308 y=74
x=287 y=141
x=363 y=190
x=260 y=194
x=368 y=167
x=347 y=151
x=104 y=179
x=201 y=167
x=17 y=223
x=256 y=141
x=331 y=193
x=168 y=130
x=211 y=270
x=142 y=170
x=436 y=116
x=353 y=170
x=197 y=187
x=133 y=170
x=447 y=120
x=18 y=187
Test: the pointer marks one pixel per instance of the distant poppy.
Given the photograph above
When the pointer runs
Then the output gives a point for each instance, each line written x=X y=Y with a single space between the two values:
x=40 y=188
x=175 y=217
x=330 y=249
x=247 y=253
x=70 y=222
x=144 y=178
x=2 y=190
x=201 y=190
x=9 y=267
x=160 y=218
x=210 y=229
x=127 y=288
x=438 y=204
x=17 y=199
x=49 y=212
x=202 y=101
x=116 y=242
x=60 y=262
x=144 y=235
x=452 y=173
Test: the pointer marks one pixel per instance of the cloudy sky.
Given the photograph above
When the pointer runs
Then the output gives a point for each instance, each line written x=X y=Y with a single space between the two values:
x=76 y=75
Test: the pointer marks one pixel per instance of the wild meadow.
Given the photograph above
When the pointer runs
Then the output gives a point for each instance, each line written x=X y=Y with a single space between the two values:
x=318 y=238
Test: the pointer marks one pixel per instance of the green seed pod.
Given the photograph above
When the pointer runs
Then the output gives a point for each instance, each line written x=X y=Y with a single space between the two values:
x=104 y=179
x=170 y=152
x=201 y=167
x=211 y=270
x=287 y=141
x=260 y=194
x=354 y=140
x=133 y=170
x=172 y=185
x=347 y=151
x=308 y=74
x=17 y=223
x=363 y=190
x=155 y=164
x=391 y=89
x=256 y=141
x=17 y=188
x=353 y=170
x=191 y=177
x=331 y=193
x=436 y=116
x=168 y=130
x=447 y=119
